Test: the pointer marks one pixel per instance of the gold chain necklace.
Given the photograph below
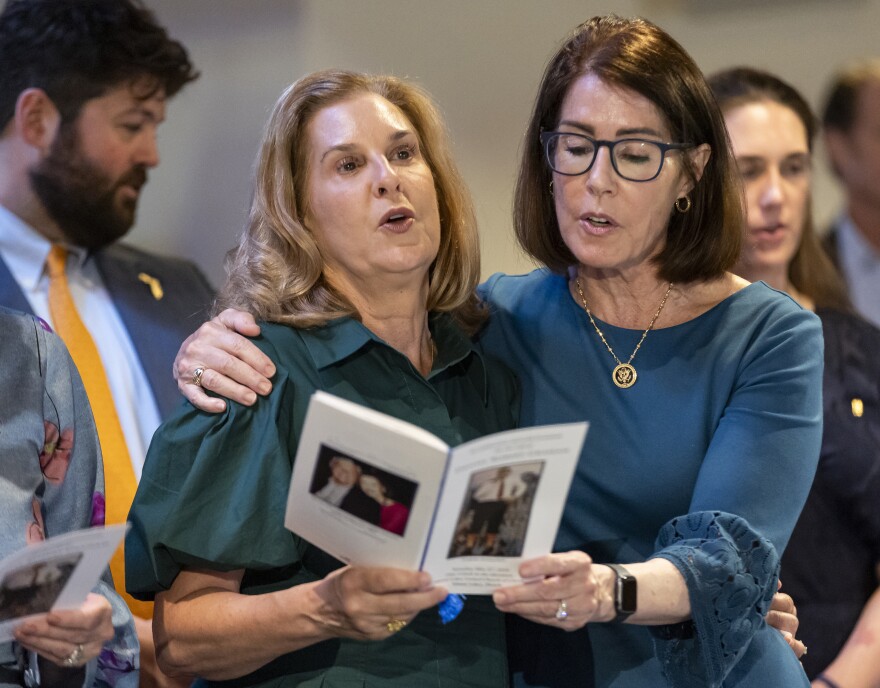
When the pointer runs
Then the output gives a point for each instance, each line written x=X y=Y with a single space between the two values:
x=624 y=374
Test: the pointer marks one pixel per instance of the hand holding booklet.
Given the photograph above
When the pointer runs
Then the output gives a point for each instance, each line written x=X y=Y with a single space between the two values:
x=57 y=573
x=374 y=490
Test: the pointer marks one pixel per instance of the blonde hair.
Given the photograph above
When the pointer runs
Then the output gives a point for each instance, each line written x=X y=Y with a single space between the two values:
x=277 y=271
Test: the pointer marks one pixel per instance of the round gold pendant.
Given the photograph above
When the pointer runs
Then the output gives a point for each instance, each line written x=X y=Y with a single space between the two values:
x=624 y=375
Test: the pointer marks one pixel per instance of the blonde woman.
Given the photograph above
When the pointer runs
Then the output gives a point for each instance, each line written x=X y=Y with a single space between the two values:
x=360 y=258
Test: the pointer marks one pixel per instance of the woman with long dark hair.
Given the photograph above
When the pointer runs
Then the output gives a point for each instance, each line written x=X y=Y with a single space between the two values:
x=832 y=564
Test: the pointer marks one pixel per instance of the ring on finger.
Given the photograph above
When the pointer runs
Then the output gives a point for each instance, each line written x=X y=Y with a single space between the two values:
x=197 y=377
x=76 y=656
x=395 y=625
x=562 y=611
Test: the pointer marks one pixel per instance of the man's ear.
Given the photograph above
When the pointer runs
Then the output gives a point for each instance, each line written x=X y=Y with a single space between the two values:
x=837 y=145
x=37 y=120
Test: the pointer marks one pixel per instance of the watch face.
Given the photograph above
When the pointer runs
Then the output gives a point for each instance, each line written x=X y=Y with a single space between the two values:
x=626 y=595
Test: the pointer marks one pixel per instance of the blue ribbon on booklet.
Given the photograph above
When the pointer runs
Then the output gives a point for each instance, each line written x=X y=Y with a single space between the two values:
x=450 y=607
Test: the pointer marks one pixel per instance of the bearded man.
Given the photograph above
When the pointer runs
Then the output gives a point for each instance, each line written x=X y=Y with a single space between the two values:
x=83 y=89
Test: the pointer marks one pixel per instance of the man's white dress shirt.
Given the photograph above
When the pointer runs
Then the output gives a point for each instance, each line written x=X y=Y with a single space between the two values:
x=25 y=251
x=860 y=265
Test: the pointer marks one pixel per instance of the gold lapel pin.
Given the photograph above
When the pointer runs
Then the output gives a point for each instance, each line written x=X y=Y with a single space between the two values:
x=858 y=408
x=154 y=285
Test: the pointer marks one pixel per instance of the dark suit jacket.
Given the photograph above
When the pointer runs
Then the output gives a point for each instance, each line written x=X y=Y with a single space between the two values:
x=840 y=519
x=359 y=504
x=156 y=327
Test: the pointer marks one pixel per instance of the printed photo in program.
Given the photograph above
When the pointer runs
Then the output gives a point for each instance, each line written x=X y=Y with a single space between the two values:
x=365 y=491
x=495 y=514
x=33 y=589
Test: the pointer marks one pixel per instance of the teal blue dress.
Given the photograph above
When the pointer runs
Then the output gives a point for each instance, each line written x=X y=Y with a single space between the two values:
x=214 y=490
x=706 y=461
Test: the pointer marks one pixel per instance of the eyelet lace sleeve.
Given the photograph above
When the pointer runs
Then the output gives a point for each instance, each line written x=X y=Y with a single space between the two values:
x=731 y=572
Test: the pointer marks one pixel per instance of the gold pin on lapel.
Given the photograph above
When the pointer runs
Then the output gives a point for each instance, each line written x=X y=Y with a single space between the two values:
x=858 y=408
x=154 y=285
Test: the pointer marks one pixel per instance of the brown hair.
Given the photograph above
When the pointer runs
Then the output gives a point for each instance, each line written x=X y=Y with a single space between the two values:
x=277 y=271
x=76 y=51
x=639 y=56
x=811 y=271
x=840 y=104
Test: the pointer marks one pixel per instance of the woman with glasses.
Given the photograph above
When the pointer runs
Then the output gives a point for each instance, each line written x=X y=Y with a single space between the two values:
x=703 y=391
x=832 y=564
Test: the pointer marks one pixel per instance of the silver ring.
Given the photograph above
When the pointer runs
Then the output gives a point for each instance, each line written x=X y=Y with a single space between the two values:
x=197 y=377
x=562 y=611
x=75 y=657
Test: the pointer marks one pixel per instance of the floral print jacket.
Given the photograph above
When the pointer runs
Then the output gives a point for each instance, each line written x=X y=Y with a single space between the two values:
x=51 y=475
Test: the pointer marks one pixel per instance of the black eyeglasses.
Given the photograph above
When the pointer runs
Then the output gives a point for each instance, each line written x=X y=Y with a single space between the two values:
x=638 y=160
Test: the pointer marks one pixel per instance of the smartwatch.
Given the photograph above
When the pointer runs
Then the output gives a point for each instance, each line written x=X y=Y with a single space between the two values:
x=625 y=593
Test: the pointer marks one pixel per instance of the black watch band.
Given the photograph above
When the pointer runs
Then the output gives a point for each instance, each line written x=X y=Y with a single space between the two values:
x=625 y=593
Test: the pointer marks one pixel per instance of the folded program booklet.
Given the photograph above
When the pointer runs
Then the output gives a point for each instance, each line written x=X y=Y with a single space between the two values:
x=57 y=573
x=374 y=490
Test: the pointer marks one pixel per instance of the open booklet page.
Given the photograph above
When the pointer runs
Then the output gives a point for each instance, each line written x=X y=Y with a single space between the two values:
x=57 y=573
x=501 y=503
x=374 y=490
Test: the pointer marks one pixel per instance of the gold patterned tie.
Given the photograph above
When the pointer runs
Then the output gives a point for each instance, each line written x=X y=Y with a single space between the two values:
x=119 y=481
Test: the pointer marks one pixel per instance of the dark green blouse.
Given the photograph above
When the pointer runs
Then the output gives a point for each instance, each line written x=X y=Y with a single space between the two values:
x=214 y=490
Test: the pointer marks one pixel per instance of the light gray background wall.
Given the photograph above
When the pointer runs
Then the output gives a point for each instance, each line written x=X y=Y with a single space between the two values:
x=481 y=59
